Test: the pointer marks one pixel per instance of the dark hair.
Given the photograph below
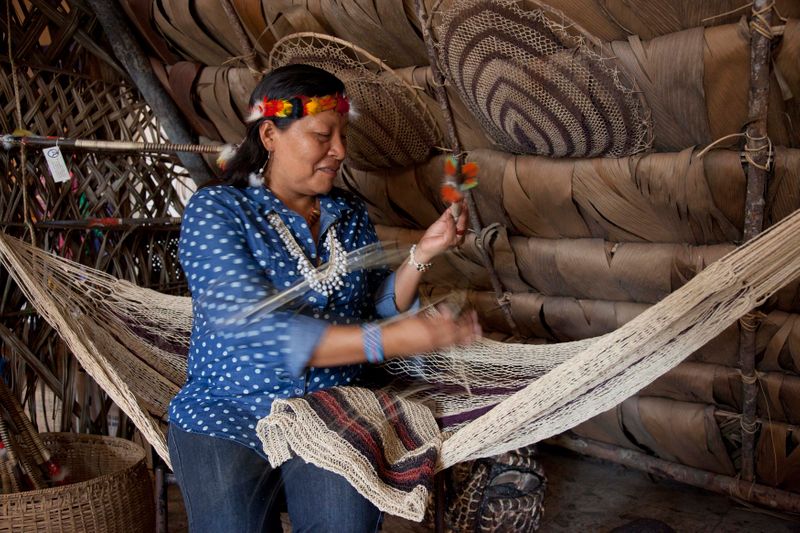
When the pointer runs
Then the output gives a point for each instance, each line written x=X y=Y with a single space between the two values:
x=282 y=83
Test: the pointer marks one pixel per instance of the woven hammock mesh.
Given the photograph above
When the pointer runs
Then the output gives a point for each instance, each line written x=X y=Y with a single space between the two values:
x=391 y=127
x=133 y=340
x=538 y=89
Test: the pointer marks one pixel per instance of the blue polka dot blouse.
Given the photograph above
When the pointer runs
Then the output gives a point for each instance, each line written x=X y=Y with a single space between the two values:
x=233 y=258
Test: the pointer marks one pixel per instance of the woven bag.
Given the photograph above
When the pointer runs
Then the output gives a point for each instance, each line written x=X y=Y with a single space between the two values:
x=110 y=490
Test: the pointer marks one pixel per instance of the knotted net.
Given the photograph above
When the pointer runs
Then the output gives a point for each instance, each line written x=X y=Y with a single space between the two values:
x=491 y=397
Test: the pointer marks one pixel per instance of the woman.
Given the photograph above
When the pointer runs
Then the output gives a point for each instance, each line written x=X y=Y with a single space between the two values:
x=274 y=220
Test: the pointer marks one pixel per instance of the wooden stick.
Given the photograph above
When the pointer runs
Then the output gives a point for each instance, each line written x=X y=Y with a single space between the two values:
x=250 y=58
x=757 y=150
x=728 y=486
x=453 y=141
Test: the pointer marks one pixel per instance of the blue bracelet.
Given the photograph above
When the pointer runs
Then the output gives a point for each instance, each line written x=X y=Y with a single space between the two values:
x=373 y=343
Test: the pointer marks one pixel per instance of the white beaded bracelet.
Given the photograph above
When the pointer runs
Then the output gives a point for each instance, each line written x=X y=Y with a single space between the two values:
x=421 y=267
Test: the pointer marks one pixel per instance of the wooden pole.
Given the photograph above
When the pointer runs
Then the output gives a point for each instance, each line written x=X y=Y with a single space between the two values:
x=131 y=55
x=728 y=486
x=455 y=144
x=250 y=58
x=758 y=157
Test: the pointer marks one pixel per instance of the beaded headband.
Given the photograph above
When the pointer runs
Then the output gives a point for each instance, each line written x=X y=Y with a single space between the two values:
x=299 y=106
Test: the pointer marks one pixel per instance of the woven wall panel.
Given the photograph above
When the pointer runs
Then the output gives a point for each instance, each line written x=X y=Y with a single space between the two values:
x=593 y=268
x=726 y=79
x=698 y=435
x=675 y=197
x=669 y=70
x=778 y=456
x=682 y=432
x=102 y=185
x=375 y=25
x=179 y=21
x=456 y=270
x=779 y=397
x=596 y=269
x=651 y=18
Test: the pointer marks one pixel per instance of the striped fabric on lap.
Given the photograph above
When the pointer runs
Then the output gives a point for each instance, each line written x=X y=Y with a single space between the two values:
x=385 y=446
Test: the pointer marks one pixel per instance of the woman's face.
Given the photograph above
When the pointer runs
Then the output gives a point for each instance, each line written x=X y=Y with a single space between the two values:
x=306 y=155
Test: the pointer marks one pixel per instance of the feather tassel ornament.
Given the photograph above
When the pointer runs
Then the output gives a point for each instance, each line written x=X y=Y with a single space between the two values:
x=227 y=153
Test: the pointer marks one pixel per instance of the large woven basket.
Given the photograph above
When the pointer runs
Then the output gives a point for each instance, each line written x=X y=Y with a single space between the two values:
x=110 y=490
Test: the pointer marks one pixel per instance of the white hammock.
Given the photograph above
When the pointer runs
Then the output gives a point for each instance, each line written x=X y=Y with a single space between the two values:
x=132 y=340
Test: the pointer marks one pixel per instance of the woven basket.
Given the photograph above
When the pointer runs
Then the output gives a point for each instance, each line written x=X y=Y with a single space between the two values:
x=111 y=490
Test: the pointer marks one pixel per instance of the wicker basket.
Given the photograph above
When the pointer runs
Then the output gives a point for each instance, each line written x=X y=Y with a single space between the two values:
x=111 y=490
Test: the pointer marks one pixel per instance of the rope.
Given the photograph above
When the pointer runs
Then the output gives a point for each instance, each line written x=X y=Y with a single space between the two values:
x=750 y=380
x=752 y=320
x=731 y=12
x=748 y=153
x=705 y=150
x=760 y=24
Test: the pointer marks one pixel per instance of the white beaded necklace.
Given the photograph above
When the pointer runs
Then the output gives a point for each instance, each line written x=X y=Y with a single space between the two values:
x=323 y=281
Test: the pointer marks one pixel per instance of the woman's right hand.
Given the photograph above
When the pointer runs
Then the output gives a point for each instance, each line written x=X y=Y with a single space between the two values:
x=425 y=333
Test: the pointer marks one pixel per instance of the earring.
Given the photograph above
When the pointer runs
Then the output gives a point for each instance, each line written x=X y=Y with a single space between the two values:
x=266 y=162
x=258 y=179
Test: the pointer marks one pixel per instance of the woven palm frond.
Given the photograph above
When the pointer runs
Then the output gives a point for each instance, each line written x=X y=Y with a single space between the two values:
x=57 y=35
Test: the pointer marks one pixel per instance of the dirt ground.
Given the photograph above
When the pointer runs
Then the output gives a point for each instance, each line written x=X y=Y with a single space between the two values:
x=586 y=494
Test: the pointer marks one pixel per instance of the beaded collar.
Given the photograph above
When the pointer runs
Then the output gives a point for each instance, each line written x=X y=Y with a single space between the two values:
x=329 y=278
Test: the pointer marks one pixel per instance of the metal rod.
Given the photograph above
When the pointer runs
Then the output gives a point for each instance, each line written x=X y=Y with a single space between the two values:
x=102 y=223
x=737 y=488
x=131 y=55
x=13 y=141
x=757 y=153
x=455 y=144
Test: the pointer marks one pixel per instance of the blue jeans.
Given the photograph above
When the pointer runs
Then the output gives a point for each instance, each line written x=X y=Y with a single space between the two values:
x=228 y=487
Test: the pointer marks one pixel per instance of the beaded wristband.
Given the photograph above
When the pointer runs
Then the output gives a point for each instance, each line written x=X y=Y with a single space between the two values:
x=373 y=343
x=421 y=267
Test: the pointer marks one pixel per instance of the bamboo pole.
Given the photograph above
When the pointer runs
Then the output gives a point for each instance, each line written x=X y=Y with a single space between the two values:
x=728 y=486
x=757 y=155
x=131 y=55
x=455 y=144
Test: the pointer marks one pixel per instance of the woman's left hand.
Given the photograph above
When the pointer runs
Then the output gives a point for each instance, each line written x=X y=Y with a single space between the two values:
x=443 y=234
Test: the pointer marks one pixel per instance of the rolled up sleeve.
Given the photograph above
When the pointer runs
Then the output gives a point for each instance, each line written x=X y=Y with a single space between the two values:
x=385 y=302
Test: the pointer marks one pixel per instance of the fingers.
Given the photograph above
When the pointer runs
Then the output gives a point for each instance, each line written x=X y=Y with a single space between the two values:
x=452 y=330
